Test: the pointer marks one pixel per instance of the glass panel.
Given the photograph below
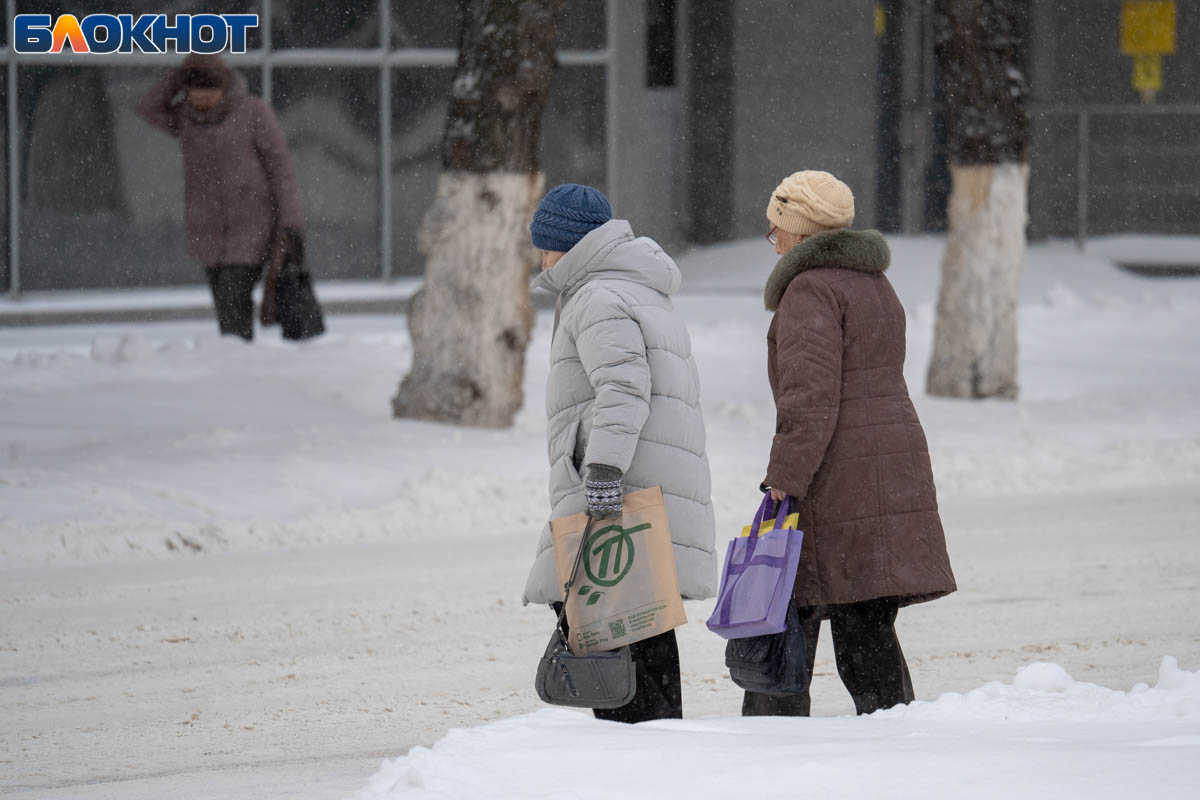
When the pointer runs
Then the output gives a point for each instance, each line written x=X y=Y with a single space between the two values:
x=5 y=285
x=418 y=120
x=583 y=25
x=331 y=119
x=1053 y=184
x=326 y=23
x=573 y=132
x=1144 y=170
x=431 y=23
x=253 y=78
x=101 y=190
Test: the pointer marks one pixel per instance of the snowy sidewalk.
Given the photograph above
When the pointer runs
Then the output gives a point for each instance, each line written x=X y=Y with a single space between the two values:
x=187 y=303
x=227 y=572
x=294 y=673
x=738 y=267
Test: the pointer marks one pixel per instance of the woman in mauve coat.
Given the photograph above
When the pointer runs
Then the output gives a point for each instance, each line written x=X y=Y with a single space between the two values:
x=848 y=446
x=241 y=200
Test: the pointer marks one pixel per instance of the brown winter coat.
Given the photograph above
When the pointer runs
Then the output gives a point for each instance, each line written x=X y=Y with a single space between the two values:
x=238 y=182
x=848 y=443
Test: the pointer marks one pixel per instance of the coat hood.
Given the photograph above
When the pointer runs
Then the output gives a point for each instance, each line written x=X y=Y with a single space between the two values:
x=863 y=251
x=235 y=91
x=611 y=251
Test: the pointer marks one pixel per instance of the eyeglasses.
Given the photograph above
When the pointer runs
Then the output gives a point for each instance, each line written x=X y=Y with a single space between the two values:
x=773 y=236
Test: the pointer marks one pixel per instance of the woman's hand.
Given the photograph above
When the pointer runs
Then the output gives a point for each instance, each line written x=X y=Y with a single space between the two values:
x=603 y=491
x=778 y=495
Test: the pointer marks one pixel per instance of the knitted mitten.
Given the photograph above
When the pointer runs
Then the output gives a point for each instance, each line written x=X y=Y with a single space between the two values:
x=603 y=490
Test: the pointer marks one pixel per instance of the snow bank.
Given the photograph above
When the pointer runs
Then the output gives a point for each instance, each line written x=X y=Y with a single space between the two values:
x=1044 y=692
x=1043 y=735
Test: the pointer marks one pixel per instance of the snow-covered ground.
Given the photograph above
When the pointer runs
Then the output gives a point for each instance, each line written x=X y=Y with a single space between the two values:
x=226 y=572
x=1042 y=735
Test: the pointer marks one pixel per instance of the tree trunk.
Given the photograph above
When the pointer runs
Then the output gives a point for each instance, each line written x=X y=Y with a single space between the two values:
x=980 y=50
x=975 y=339
x=470 y=322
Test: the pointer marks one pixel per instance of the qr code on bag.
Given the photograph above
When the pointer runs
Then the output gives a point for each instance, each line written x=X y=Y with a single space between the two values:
x=617 y=628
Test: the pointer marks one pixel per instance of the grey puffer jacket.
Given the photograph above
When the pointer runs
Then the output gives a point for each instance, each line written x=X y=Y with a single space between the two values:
x=624 y=391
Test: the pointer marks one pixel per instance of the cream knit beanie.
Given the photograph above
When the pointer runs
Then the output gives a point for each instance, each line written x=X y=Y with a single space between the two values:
x=810 y=202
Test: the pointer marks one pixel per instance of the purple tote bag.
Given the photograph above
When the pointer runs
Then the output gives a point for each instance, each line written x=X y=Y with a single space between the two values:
x=756 y=584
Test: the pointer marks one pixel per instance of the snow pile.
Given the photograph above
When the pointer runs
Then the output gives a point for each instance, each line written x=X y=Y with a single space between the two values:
x=1043 y=735
x=122 y=350
x=1045 y=692
x=1042 y=676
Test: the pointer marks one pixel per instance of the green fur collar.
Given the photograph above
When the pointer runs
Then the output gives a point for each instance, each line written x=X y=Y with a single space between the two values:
x=864 y=251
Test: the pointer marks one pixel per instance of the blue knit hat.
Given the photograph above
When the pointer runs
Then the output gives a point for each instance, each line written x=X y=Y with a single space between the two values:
x=566 y=214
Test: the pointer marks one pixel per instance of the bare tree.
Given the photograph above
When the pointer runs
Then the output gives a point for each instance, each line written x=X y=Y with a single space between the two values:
x=979 y=49
x=470 y=322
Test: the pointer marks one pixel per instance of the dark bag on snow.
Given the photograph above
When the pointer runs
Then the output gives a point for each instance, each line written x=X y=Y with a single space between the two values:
x=774 y=663
x=598 y=680
x=296 y=304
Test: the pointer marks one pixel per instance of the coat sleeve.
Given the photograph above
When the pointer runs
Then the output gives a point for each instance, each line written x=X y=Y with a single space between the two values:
x=272 y=150
x=612 y=350
x=155 y=107
x=808 y=395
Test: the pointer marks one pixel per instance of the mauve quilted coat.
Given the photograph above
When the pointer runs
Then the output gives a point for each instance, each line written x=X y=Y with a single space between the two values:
x=623 y=390
x=848 y=443
x=238 y=180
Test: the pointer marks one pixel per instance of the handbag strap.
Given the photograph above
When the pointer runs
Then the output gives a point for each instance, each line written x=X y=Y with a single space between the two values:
x=562 y=612
x=781 y=511
x=760 y=516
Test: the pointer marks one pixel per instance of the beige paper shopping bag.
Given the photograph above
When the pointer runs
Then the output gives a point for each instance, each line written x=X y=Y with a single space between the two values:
x=627 y=589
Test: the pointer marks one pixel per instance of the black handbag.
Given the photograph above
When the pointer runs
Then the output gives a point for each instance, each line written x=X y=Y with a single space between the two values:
x=775 y=663
x=296 y=305
x=597 y=680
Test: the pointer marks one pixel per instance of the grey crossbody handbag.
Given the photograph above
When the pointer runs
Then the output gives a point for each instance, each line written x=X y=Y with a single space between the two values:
x=596 y=680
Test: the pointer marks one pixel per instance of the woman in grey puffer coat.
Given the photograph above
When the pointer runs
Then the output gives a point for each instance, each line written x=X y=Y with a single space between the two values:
x=623 y=408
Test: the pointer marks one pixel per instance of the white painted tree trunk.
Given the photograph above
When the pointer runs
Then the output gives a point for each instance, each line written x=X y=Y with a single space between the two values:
x=470 y=321
x=975 y=339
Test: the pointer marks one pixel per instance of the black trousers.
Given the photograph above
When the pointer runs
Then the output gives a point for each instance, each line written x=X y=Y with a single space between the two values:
x=659 y=694
x=868 y=656
x=232 y=288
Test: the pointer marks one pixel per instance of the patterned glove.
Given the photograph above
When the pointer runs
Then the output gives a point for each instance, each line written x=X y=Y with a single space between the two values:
x=603 y=490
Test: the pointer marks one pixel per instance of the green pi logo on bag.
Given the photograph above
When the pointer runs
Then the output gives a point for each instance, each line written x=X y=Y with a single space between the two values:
x=610 y=555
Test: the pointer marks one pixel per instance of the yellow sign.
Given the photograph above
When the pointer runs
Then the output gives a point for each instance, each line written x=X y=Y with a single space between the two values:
x=1148 y=73
x=880 y=20
x=1147 y=29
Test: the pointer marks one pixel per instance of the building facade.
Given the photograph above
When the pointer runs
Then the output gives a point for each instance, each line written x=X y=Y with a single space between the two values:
x=686 y=112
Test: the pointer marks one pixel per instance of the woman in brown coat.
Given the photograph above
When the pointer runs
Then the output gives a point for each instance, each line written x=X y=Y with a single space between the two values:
x=848 y=446
x=241 y=201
